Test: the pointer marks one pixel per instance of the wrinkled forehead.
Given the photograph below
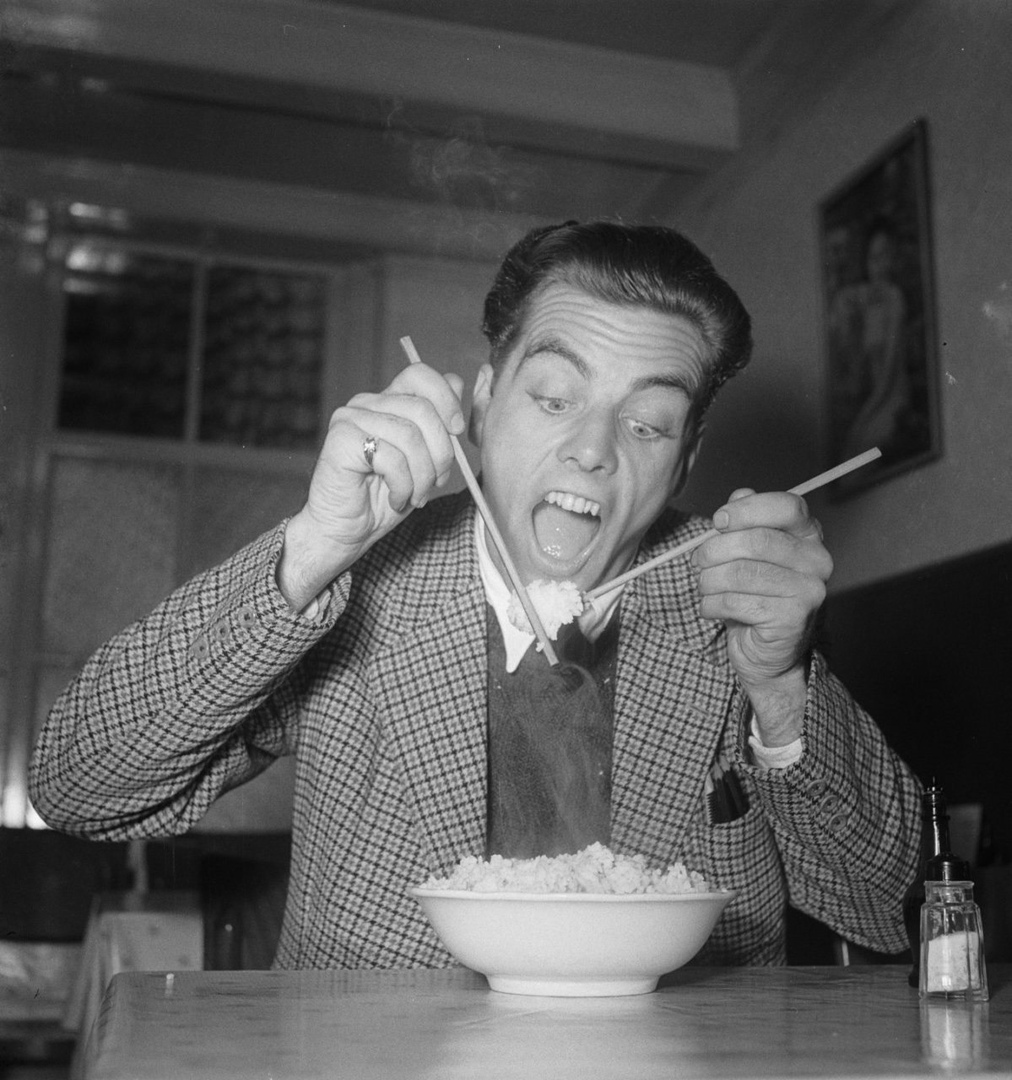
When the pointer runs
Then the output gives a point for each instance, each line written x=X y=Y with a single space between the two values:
x=564 y=321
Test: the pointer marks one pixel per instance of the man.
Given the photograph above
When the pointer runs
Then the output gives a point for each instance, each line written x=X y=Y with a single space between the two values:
x=369 y=637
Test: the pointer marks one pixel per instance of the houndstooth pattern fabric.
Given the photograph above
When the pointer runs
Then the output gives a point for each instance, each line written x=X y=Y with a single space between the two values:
x=383 y=702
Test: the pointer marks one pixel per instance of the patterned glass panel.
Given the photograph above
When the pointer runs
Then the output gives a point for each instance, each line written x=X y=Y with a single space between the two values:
x=111 y=551
x=126 y=341
x=231 y=508
x=263 y=346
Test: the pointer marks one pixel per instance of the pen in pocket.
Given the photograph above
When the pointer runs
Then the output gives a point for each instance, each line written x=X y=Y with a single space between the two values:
x=725 y=799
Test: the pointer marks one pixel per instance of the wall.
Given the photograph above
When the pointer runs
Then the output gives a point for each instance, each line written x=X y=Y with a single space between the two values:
x=945 y=61
x=438 y=304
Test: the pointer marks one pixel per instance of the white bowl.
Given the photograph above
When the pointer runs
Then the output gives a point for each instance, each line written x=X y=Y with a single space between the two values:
x=572 y=944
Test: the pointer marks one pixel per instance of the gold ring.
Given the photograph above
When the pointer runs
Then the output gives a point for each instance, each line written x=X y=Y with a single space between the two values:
x=369 y=449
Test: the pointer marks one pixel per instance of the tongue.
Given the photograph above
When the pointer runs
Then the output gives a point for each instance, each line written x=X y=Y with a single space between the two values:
x=562 y=534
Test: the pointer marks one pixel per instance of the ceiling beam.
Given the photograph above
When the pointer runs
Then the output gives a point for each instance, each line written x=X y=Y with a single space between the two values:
x=513 y=80
x=66 y=119
x=342 y=218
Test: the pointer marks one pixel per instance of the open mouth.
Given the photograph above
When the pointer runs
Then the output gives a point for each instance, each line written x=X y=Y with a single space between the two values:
x=565 y=525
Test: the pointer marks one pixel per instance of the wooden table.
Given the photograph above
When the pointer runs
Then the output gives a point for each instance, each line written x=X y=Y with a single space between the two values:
x=861 y=1021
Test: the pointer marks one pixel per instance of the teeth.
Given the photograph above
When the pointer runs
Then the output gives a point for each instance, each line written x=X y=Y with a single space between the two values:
x=576 y=504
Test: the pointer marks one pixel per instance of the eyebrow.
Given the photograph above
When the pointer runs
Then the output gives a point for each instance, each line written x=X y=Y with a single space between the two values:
x=555 y=345
x=670 y=381
x=552 y=344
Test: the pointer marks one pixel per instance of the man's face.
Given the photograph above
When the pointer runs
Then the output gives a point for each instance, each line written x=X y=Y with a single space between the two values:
x=583 y=434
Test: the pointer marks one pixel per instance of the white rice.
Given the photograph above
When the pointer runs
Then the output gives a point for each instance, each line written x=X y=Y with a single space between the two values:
x=556 y=602
x=595 y=869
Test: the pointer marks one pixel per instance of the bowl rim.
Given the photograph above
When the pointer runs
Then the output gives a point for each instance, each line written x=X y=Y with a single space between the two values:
x=420 y=891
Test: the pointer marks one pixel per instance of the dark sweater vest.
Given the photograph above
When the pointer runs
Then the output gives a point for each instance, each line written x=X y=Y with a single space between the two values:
x=549 y=746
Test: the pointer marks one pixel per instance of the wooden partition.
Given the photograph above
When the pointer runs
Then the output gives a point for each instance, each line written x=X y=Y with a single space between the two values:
x=928 y=654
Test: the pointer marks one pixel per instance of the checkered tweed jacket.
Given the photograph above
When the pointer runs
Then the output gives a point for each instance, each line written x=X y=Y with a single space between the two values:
x=384 y=703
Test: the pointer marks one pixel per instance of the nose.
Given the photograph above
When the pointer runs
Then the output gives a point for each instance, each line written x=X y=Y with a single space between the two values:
x=590 y=444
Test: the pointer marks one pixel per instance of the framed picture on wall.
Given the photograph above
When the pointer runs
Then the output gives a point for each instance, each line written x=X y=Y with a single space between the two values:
x=878 y=285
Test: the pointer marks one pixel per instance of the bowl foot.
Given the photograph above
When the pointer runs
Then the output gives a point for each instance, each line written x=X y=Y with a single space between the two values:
x=620 y=987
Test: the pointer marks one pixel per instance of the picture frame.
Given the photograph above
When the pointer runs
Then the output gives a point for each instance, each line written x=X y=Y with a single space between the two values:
x=880 y=336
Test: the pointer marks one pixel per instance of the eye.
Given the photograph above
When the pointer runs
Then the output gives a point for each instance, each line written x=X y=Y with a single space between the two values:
x=642 y=430
x=553 y=405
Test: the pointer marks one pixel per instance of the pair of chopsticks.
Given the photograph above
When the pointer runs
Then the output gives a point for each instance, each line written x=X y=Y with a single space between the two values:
x=821 y=480
x=486 y=515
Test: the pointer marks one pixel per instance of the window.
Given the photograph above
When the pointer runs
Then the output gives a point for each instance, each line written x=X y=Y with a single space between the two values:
x=164 y=347
x=183 y=399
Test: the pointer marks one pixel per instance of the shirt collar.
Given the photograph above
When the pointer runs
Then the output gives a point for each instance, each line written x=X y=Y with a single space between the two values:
x=592 y=621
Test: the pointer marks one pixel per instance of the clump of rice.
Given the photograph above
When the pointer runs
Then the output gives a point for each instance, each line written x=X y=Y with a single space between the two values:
x=556 y=602
x=595 y=869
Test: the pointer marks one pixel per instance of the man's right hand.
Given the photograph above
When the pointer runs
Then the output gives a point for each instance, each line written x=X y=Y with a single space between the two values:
x=350 y=505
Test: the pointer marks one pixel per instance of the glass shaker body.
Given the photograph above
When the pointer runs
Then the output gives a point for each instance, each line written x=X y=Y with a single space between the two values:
x=952 y=943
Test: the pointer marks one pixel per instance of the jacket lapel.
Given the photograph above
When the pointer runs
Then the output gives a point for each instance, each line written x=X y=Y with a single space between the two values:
x=672 y=696
x=431 y=690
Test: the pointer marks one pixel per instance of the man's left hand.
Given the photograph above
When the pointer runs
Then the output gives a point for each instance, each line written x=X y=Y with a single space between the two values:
x=765 y=577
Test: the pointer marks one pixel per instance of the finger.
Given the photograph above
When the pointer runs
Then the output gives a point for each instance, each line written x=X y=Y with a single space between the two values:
x=765 y=583
x=777 y=510
x=773 y=547
x=391 y=466
x=778 y=618
x=443 y=392
x=740 y=609
x=404 y=458
x=414 y=426
x=346 y=451
x=401 y=458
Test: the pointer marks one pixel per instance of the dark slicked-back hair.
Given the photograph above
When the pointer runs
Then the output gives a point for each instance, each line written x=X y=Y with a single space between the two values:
x=638 y=265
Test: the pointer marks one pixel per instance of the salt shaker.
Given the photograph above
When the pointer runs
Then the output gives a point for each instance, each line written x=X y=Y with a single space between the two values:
x=938 y=863
x=952 y=943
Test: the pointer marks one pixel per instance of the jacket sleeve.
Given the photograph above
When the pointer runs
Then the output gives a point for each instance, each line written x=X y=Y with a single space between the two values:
x=190 y=701
x=846 y=817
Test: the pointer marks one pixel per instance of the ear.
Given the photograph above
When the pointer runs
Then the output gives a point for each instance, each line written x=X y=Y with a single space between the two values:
x=480 y=399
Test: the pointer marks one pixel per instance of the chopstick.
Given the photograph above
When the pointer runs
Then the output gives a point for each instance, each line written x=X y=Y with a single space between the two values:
x=486 y=514
x=821 y=480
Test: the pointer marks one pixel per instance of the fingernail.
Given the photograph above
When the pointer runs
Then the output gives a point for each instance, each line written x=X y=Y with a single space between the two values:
x=721 y=520
x=457 y=424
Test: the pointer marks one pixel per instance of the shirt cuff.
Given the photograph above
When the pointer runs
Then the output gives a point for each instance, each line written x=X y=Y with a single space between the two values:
x=316 y=609
x=772 y=757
